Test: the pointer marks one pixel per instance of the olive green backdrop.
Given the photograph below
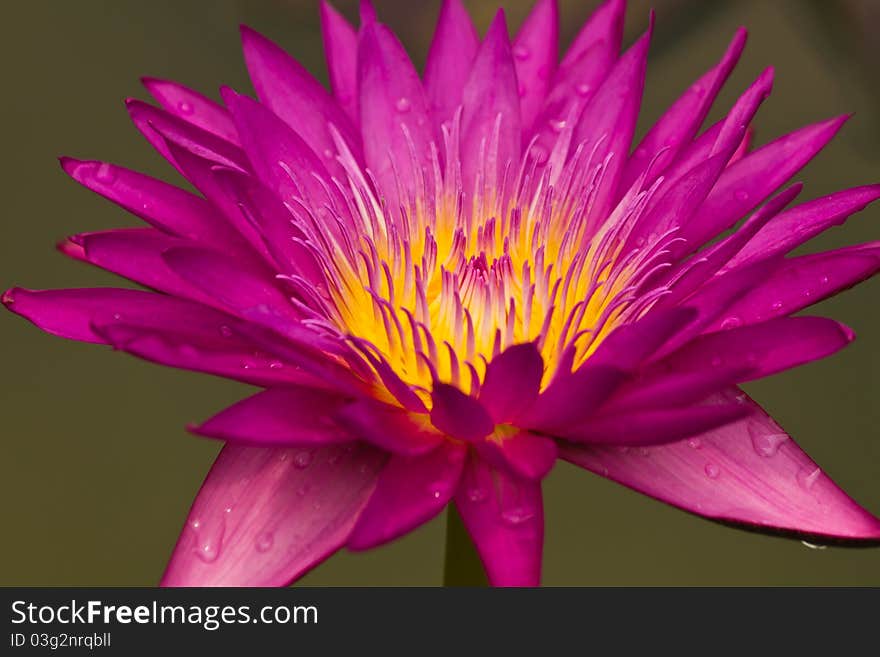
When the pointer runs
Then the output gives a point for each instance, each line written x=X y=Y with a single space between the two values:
x=96 y=470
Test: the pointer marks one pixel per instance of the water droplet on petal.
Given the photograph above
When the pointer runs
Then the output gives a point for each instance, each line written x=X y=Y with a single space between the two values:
x=807 y=476
x=276 y=365
x=185 y=107
x=583 y=89
x=777 y=306
x=824 y=280
x=695 y=443
x=813 y=546
x=209 y=539
x=303 y=459
x=712 y=471
x=558 y=125
x=403 y=105
x=117 y=316
x=731 y=323
x=328 y=154
x=105 y=173
x=517 y=516
x=264 y=541
x=521 y=52
x=225 y=331
x=742 y=195
x=540 y=154
x=476 y=495
x=522 y=90
x=766 y=444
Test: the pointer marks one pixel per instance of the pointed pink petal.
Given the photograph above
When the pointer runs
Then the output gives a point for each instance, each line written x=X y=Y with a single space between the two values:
x=449 y=60
x=193 y=107
x=280 y=417
x=802 y=282
x=747 y=473
x=490 y=103
x=262 y=519
x=525 y=454
x=653 y=426
x=281 y=159
x=682 y=120
x=535 y=52
x=766 y=348
x=608 y=122
x=458 y=414
x=164 y=206
x=505 y=518
x=411 y=490
x=747 y=183
x=390 y=428
x=340 y=49
x=136 y=254
x=288 y=89
x=572 y=397
x=394 y=112
x=159 y=126
x=512 y=380
x=803 y=222
x=238 y=288
x=604 y=26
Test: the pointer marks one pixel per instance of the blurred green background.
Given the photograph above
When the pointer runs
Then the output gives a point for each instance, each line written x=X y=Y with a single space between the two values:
x=97 y=472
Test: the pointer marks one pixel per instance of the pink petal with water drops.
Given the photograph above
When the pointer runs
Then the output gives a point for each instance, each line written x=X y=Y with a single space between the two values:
x=262 y=518
x=747 y=473
x=505 y=517
x=290 y=91
x=449 y=60
x=535 y=52
x=340 y=50
x=802 y=282
x=193 y=107
x=411 y=490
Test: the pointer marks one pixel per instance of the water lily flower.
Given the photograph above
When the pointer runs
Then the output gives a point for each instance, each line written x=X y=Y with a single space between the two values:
x=444 y=282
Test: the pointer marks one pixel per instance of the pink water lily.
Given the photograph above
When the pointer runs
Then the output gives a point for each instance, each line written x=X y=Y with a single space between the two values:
x=445 y=282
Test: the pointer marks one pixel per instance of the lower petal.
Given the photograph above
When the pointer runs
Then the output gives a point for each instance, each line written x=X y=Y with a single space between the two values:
x=748 y=473
x=262 y=518
x=505 y=518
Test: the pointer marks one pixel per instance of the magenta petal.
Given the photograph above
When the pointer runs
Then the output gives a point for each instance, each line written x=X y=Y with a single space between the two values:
x=164 y=206
x=394 y=111
x=512 y=380
x=193 y=107
x=136 y=254
x=238 y=288
x=292 y=416
x=801 y=282
x=747 y=183
x=572 y=397
x=340 y=48
x=458 y=414
x=682 y=120
x=766 y=348
x=449 y=60
x=525 y=454
x=263 y=519
x=665 y=390
x=69 y=313
x=505 y=518
x=159 y=126
x=652 y=426
x=296 y=97
x=749 y=473
x=490 y=121
x=608 y=122
x=803 y=222
x=605 y=26
x=281 y=159
x=390 y=428
x=411 y=490
x=535 y=50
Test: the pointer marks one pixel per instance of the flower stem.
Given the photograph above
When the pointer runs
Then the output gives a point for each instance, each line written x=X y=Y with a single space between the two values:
x=462 y=566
